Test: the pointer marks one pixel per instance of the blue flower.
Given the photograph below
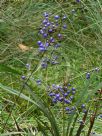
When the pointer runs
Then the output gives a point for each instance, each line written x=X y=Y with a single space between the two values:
x=23 y=77
x=65 y=94
x=39 y=42
x=42 y=48
x=48 y=23
x=73 y=89
x=64 y=26
x=57 y=96
x=88 y=76
x=100 y=115
x=60 y=99
x=51 y=94
x=44 y=65
x=46 y=14
x=38 y=81
x=67 y=101
x=67 y=109
x=54 y=62
x=69 y=84
x=73 y=11
x=45 y=21
x=54 y=100
x=52 y=39
x=84 y=111
x=44 y=28
x=41 y=31
x=64 y=17
x=57 y=45
x=45 y=35
x=83 y=106
x=68 y=92
x=46 y=44
x=56 y=17
x=28 y=66
x=73 y=92
x=97 y=69
x=50 y=30
x=77 y=0
x=71 y=97
x=59 y=35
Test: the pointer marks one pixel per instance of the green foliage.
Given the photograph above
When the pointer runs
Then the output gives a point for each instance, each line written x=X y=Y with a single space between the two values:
x=25 y=108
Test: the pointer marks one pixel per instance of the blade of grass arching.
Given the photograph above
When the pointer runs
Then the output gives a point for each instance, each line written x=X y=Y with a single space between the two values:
x=21 y=95
x=46 y=110
x=37 y=102
x=7 y=69
x=14 y=92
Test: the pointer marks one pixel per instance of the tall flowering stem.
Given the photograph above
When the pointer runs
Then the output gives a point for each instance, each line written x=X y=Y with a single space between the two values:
x=63 y=116
x=97 y=107
x=82 y=124
x=92 y=120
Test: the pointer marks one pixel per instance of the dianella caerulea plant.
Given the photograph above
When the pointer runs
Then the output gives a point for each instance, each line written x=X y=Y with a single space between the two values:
x=73 y=107
x=67 y=109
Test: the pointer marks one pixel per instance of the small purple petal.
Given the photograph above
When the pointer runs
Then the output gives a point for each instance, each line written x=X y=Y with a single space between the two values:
x=64 y=17
x=39 y=42
x=88 y=76
x=23 y=77
x=59 y=35
x=46 y=14
x=83 y=106
x=73 y=89
x=56 y=17
x=67 y=101
x=64 y=26
x=67 y=109
x=44 y=65
x=41 y=31
x=77 y=0
x=50 y=30
x=54 y=100
x=51 y=94
x=66 y=94
x=38 y=82
x=52 y=39
x=28 y=66
x=45 y=35
x=60 y=99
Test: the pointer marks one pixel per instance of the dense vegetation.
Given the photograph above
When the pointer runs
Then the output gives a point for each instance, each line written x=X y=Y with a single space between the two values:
x=50 y=67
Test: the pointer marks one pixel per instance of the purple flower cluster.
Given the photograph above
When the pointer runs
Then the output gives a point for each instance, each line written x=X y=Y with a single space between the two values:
x=48 y=29
x=51 y=37
x=63 y=95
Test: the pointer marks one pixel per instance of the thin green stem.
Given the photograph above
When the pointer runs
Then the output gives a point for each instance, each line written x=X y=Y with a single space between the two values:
x=63 y=113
